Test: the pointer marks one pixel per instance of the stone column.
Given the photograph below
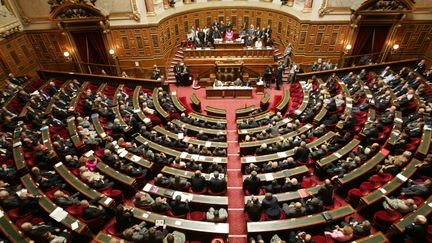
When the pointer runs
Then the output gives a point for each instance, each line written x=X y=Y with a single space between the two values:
x=290 y=3
x=150 y=8
x=307 y=6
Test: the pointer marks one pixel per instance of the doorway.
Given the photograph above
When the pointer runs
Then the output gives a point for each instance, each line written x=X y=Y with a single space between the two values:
x=369 y=43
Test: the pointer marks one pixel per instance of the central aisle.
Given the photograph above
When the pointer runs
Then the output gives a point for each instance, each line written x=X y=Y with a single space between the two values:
x=237 y=224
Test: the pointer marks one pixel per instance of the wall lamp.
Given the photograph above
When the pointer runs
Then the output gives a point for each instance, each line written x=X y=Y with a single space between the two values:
x=347 y=49
x=67 y=56
x=112 y=53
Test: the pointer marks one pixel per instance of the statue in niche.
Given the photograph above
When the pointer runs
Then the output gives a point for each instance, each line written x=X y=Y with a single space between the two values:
x=56 y=3
x=386 y=5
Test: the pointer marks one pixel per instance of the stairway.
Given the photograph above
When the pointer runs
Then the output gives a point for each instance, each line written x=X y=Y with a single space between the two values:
x=178 y=57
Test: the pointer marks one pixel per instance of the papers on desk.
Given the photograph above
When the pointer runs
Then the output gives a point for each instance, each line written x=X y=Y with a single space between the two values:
x=208 y=144
x=147 y=187
x=401 y=177
x=217 y=160
x=174 y=93
x=74 y=225
x=136 y=110
x=144 y=215
x=297 y=112
x=427 y=128
x=159 y=222
x=89 y=153
x=58 y=164
x=58 y=214
x=123 y=153
x=243 y=131
x=177 y=222
x=268 y=176
x=135 y=158
x=338 y=155
x=382 y=190
x=349 y=105
x=198 y=48
x=103 y=134
x=430 y=204
x=44 y=128
x=108 y=200
x=282 y=154
x=286 y=120
x=180 y=135
x=1 y=213
x=398 y=120
x=147 y=120
x=195 y=156
x=183 y=155
x=251 y=159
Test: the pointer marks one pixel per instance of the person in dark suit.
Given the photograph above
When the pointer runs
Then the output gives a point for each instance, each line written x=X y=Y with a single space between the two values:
x=90 y=211
x=417 y=231
x=8 y=201
x=155 y=235
x=162 y=181
x=160 y=205
x=253 y=209
x=302 y=153
x=64 y=200
x=178 y=207
x=217 y=184
x=420 y=67
x=252 y=184
x=36 y=231
x=314 y=205
x=270 y=205
x=325 y=193
x=417 y=188
x=279 y=73
x=294 y=209
x=198 y=182
x=274 y=187
x=178 y=70
x=123 y=218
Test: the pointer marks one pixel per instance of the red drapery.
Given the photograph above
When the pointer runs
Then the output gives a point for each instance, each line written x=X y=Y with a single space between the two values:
x=370 y=39
x=91 y=49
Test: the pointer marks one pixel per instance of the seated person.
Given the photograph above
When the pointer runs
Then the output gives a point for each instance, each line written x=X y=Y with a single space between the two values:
x=270 y=205
x=400 y=205
x=218 y=83
x=160 y=205
x=143 y=200
x=252 y=184
x=91 y=212
x=217 y=215
x=216 y=183
x=253 y=209
x=341 y=234
x=414 y=188
x=178 y=207
x=418 y=230
x=294 y=209
x=229 y=35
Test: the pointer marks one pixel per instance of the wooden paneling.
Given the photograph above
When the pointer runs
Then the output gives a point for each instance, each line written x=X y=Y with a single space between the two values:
x=49 y=46
x=414 y=38
x=18 y=56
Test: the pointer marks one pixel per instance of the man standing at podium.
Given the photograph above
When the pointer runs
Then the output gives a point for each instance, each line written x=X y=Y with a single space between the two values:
x=267 y=76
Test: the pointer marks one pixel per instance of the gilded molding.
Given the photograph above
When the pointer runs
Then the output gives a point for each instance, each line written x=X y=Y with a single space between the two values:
x=136 y=15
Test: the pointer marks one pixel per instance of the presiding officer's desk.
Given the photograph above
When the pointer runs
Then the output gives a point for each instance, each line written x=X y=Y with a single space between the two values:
x=228 y=92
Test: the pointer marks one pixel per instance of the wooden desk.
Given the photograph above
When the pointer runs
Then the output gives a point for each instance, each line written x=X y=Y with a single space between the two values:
x=49 y=206
x=196 y=129
x=182 y=224
x=297 y=223
x=378 y=237
x=195 y=198
x=424 y=146
x=10 y=230
x=282 y=106
x=196 y=103
x=74 y=102
x=245 y=111
x=228 y=45
x=179 y=106
x=207 y=118
x=363 y=169
x=183 y=155
x=137 y=106
x=257 y=117
x=83 y=188
x=263 y=56
x=102 y=237
x=46 y=140
x=249 y=147
x=391 y=185
x=291 y=196
x=157 y=105
x=194 y=141
x=296 y=171
x=424 y=209
x=265 y=101
x=243 y=132
x=213 y=111
x=73 y=133
x=228 y=92
x=338 y=154
x=18 y=153
x=51 y=102
x=282 y=155
x=397 y=128
x=184 y=173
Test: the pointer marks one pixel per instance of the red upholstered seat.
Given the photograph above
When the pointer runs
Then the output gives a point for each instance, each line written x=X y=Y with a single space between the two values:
x=384 y=219
x=117 y=195
x=319 y=239
x=93 y=224
x=110 y=229
x=282 y=216
x=74 y=210
x=355 y=194
x=170 y=213
x=14 y=215
x=376 y=179
x=367 y=186
x=196 y=215
x=385 y=177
